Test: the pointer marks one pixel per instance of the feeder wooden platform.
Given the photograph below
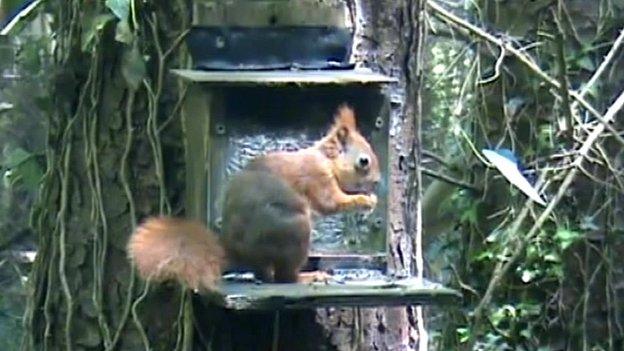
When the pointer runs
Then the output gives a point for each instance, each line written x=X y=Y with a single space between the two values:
x=270 y=297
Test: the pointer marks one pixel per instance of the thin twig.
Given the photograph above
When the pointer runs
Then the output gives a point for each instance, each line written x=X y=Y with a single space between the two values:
x=568 y=126
x=137 y=319
x=497 y=67
x=616 y=176
x=603 y=66
x=123 y=176
x=461 y=283
x=175 y=110
x=176 y=42
x=439 y=159
x=449 y=179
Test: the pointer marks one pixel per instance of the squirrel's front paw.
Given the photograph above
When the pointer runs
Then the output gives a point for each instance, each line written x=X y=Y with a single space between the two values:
x=368 y=202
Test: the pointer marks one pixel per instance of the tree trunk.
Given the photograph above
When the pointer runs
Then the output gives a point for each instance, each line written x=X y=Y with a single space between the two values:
x=389 y=38
x=107 y=135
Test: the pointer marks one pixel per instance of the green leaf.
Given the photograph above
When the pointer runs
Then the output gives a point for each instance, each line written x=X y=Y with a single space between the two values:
x=26 y=173
x=484 y=256
x=566 y=237
x=530 y=309
x=22 y=169
x=502 y=314
x=556 y=271
x=7 y=179
x=470 y=215
x=532 y=252
x=121 y=8
x=123 y=33
x=133 y=67
x=528 y=275
x=15 y=157
x=494 y=236
x=586 y=63
x=463 y=334
x=30 y=174
x=552 y=257
x=526 y=333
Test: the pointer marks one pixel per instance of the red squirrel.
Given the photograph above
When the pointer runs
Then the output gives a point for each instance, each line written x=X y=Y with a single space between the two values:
x=267 y=215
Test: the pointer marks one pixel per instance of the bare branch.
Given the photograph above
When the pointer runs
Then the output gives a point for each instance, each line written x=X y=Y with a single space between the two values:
x=448 y=179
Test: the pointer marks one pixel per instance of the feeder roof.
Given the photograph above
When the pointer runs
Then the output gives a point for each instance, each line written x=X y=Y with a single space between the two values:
x=304 y=77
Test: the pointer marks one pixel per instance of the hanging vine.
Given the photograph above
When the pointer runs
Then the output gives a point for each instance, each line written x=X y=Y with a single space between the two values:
x=103 y=84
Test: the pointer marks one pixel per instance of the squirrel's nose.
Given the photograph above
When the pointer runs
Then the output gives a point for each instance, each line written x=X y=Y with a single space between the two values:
x=363 y=161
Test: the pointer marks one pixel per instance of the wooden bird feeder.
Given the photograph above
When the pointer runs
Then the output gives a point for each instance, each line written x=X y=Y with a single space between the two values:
x=248 y=95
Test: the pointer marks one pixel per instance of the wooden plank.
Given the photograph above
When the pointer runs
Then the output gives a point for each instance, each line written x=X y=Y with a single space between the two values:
x=327 y=77
x=196 y=132
x=249 y=296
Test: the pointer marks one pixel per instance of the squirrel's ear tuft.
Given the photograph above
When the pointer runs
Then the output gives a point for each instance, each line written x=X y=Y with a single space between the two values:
x=344 y=118
x=344 y=124
x=340 y=133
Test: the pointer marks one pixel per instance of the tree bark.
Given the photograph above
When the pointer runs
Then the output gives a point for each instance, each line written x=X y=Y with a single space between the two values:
x=389 y=39
x=104 y=172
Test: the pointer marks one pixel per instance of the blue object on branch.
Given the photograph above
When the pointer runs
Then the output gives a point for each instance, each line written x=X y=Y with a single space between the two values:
x=15 y=14
x=509 y=166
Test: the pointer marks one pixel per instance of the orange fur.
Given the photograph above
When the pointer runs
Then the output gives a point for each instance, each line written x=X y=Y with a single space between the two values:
x=267 y=212
x=175 y=249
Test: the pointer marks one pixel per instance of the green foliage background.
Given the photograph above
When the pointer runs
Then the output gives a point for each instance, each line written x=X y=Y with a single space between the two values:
x=22 y=149
x=92 y=144
x=563 y=291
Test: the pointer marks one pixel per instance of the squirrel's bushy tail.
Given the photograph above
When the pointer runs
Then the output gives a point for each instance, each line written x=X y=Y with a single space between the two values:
x=165 y=248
